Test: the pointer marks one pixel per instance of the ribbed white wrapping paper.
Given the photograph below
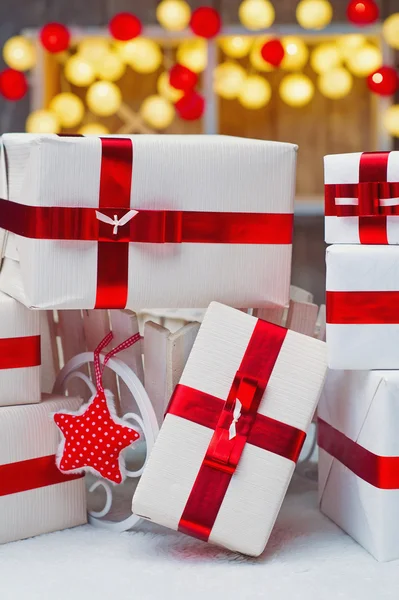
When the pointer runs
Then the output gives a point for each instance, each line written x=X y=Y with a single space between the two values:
x=20 y=385
x=363 y=268
x=258 y=486
x=345 y=169
x=28 y=432
x=189 y=173
x=364 y=406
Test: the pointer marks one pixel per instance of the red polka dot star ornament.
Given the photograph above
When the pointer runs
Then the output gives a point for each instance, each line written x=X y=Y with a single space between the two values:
x=384 y=81
x=94 y=437
x=125 y=26
x=13 y=84
x=362 y=12
x=55 y=37
x=273 y=52
x=206 y=22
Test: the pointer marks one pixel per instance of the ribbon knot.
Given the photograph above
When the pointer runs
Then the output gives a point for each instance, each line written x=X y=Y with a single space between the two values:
x=115 y=221
x=236 y=416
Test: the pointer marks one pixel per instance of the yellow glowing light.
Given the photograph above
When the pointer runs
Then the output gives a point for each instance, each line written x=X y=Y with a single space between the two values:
x=256 y=14
x=103 y=98
x=325 y=57
x=296 y=53
x=255 y=56
x=229 y=78
x=19 y=53
x=157 y=112
x=94 y=129
x=236 y=46
x=348 y=43
x=42 y=121
x=111 y=68
x=68 y=108
x=193 y=54
x=94 y=50
x=314 y=14
x=335 y=84
x=296 y=90
x=173 y=15
x=166 y=90
x=365 y=60
x=390 y=31
x=142 y=54
x=78 y=71
x=255 y=92
x=391 y=120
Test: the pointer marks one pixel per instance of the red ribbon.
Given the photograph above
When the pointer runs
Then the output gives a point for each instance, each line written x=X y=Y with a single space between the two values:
x=31 y=474
x=362 y=308
x=20 y=352
x=372 y=187
x=380 y=471
x=223 y=454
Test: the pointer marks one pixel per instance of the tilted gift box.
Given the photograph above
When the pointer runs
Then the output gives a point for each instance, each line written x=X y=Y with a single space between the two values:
x=228 y=446
x=359 y=457
x=362 y=307
x=19 y=353
x=157 y=220
x=35 y=497
x=362 y=198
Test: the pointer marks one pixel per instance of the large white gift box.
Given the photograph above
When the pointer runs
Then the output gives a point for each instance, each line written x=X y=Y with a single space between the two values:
x=359 y=457
x=362 y=198
x=146 y=220
x=362 y=302
x=19 y=353
x=233 y=431
x=35 y=497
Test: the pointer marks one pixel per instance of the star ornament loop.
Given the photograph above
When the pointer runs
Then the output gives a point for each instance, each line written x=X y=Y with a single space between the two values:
x=93 y=439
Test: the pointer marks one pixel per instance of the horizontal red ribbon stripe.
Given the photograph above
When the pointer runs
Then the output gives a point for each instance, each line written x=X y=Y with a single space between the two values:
x=20 y=352
x=380 y=471
x=362 y=308
x=157 y=226
x=31 y=474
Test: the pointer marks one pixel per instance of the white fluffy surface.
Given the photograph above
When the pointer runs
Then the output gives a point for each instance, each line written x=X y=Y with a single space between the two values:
x=307 y=557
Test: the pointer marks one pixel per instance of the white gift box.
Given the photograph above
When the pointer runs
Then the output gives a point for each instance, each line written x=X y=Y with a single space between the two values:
x=362 y=307
x=359 y=457
x=203 y=433
x=35 y=497
x=19 y=353
x=162 y=220
x=362 y=198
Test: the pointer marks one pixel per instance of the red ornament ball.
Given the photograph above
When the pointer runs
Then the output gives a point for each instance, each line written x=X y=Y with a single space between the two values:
x=182 y=78
x=384 y=81
x=13 y=84
x=125 y=26
x=191 y=106
x=273 y=52
x=362 y=12
x=206 y=22
x=55 y=37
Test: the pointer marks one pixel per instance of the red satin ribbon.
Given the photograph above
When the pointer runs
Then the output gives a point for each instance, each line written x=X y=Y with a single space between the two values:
x=380 y=471
x=223 y=454
x=31 y=474
x=20 y=352
x=362 y=308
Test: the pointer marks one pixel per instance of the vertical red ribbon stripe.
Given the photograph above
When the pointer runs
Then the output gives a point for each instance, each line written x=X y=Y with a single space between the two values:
x=373 y=168
x=20 y=352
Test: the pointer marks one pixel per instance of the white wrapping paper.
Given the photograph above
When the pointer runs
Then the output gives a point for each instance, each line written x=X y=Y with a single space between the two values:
x=362 y=269
x=190 y=173
x=364 y=406
x=345 y=169
x=18 y=385
x=28 y=432
x=258 y=486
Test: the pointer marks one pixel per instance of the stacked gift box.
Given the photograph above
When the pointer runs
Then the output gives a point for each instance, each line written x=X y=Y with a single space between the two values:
x=359 y=408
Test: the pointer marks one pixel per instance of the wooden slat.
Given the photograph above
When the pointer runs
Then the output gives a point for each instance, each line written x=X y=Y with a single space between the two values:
x=300 y=295
x=155 y=351
x=179 y=346
x=49 y=353
x=302 y=317
x=273 y=313
x=73 y=341
x=320 y=330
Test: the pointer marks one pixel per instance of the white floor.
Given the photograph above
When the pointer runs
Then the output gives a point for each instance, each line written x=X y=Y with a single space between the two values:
x=307 y=557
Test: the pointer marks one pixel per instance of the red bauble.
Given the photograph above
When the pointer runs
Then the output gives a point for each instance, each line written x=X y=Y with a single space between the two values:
x=362 y=12
x=191 y=106
x=384 y=81
x=13 y=84
x=55 y=37
x=206 y=22
x=273 y=52
x=182 y=78
x=125 y=26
